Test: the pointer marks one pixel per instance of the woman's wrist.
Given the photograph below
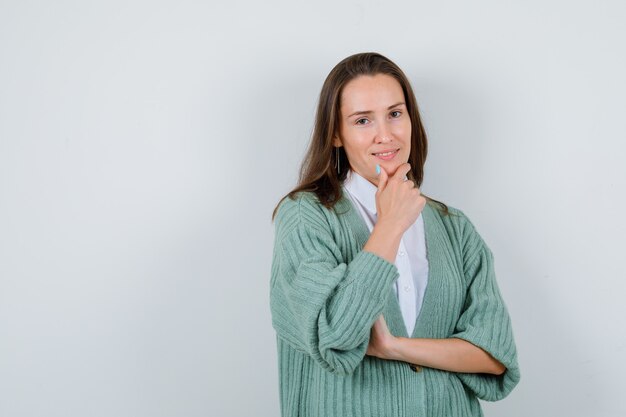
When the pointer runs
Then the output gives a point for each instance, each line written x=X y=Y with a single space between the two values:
x=389 y=227
x=395 y=348
x=384 y=240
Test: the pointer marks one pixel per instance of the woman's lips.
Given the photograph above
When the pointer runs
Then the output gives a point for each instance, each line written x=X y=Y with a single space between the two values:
x=387 y=157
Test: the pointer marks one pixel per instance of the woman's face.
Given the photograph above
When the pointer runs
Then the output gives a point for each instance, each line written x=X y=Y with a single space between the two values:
x=374 y=120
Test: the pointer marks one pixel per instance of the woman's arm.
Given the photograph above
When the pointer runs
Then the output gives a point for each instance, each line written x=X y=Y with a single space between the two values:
x=321 y=304
x=455 y=355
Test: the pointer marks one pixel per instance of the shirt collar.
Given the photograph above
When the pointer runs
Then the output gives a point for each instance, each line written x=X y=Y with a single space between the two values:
x=361 y=189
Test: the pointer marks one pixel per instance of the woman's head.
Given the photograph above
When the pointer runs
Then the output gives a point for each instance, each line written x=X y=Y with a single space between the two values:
x=362 y=82
x=374 y=81
x=374 y=125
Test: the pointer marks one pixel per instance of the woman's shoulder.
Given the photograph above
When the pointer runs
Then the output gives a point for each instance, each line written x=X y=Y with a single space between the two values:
x=445 y=212
x=296 y=202
x=301 y=208
x=456 y=221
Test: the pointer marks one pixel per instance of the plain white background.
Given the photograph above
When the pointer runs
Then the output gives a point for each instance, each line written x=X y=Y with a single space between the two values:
x=144 y=145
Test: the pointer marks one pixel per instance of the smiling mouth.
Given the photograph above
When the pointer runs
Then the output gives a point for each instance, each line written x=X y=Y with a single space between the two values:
x=386 y=155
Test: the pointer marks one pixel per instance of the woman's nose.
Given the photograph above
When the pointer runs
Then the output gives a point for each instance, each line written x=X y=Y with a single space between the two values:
x=383 y=133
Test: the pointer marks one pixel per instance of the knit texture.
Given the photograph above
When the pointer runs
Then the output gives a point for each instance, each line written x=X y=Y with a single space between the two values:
x=326 y=293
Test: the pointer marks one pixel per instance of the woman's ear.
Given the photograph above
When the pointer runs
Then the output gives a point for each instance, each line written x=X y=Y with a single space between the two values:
x=337 y=141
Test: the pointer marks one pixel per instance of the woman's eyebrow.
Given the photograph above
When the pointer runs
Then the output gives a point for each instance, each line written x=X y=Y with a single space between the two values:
x=370 y=111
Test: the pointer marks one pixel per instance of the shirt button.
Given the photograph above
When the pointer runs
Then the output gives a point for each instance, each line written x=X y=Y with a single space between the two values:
x=401 y=253
x=415 y=368
x=407 y=288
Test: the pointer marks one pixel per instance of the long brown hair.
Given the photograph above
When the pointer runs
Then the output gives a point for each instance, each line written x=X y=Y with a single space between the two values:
x=318 y=172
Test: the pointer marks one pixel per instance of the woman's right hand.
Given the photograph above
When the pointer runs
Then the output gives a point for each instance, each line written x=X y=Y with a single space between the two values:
x=398 y=202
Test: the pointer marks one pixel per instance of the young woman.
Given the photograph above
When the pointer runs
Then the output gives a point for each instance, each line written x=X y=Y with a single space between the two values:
x=384 y=300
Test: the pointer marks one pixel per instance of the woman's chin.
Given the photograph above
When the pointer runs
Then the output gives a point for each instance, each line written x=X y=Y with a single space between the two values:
x=392 y=169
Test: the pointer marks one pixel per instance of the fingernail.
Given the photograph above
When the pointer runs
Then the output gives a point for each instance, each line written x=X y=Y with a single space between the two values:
x=377 y=169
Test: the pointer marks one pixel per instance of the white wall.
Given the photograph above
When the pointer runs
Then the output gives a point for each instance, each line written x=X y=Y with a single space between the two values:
x=143 y=146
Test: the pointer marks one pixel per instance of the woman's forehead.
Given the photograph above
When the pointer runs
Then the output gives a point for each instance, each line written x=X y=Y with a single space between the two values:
x=370 y=93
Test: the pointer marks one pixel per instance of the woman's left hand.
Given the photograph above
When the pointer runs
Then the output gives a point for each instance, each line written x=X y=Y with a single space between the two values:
x=382 y=342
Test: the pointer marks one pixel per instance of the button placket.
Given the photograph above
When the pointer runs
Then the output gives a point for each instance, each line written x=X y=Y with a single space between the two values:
x=405 y=288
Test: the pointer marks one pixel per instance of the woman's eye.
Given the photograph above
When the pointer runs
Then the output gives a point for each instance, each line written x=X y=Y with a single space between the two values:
x=358 y=122
x=393 y=113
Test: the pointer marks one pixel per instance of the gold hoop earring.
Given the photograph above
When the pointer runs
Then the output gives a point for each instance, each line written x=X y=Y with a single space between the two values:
x=337 y=159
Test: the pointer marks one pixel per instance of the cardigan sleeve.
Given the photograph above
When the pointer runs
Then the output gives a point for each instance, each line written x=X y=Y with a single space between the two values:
x=320 y=304
x=485 y=321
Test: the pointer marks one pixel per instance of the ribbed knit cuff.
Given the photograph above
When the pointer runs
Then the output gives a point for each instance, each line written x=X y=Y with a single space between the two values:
x=372 y=271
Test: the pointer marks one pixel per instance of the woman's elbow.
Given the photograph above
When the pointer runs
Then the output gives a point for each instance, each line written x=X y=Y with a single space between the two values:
x=497 y=368
x=341 y=363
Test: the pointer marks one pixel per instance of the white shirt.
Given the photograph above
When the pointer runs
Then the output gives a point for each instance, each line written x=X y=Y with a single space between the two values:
x=411 y=259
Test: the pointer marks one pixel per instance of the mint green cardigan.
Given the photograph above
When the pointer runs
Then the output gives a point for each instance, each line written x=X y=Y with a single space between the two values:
x=326 y=293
